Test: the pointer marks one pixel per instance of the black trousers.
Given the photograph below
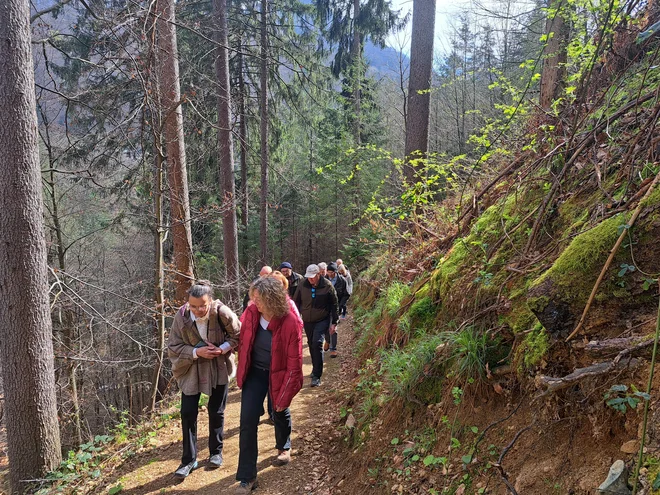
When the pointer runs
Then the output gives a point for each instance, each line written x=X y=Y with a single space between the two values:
x=255 y=389
x=316 y=332
x=189 y=409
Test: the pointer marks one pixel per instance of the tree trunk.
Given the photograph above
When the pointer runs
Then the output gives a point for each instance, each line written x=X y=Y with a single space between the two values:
x=159 y=274
x=419 y=84
x=554 y=61
x=226 y=157
x=33 y=436
x=263 y=128
x=242 y=130
x=356 y=57
x=170 y=96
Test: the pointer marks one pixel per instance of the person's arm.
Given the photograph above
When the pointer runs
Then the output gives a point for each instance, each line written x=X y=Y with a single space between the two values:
x=232 y=328
x=179 y=352
x=334 y=307
x=293 y=380
x=297 y=297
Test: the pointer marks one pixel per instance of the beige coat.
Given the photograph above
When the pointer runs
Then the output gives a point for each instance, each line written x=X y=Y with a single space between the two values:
x=201 y=375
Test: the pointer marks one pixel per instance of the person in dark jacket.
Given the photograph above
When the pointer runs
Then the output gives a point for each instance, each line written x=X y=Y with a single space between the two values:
x=317 y=301
x=269 y=361
x=341 y=289
x=292 y=277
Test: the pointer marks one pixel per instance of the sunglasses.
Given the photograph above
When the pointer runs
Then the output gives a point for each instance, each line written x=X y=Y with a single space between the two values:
x=313 y=292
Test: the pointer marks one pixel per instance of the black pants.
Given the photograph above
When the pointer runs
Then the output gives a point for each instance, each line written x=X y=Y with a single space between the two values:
x=189 y=408
x=315 y=336
x=255 y=389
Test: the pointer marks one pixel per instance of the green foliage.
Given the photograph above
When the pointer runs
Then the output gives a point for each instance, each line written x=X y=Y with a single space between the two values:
x=470 y=351
x=393 y=297
x=577 y=267
x=422 y=313
x=404 y=369
x=533 y=348
x=620 y=399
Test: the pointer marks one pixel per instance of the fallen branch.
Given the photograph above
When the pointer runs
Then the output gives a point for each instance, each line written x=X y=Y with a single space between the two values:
x=610 y=258
x=498 y=464
x=553 y=384
x=635 y=346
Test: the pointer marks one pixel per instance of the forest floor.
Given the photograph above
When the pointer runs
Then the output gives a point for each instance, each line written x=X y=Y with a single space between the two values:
x=314 y=440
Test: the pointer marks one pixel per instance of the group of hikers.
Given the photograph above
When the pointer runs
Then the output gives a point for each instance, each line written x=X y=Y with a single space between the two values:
x=267 y=338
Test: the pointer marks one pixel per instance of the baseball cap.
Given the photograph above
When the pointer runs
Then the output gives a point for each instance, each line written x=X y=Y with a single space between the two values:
x=286 y=264
x=312 y=271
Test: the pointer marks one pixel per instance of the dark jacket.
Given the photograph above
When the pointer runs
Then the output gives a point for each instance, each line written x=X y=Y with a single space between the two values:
x=341 y=288
x=294 y=280
x=286 y=374
x=324 y=304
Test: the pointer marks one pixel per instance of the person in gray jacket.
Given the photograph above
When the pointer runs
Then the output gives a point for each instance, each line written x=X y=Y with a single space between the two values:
x=202 y=336
x=343 y=271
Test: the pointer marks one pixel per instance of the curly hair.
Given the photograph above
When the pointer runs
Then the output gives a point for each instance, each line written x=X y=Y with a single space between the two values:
x=272 y=294
x=280 y=276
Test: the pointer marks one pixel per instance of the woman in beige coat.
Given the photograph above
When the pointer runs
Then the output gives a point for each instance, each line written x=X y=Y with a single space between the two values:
x=201 y=340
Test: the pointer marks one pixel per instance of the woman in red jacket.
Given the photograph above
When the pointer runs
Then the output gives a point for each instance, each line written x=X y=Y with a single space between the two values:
x=269 y=360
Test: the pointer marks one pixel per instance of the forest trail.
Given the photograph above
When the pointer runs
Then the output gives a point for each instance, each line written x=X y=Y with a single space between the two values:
x=314 y=413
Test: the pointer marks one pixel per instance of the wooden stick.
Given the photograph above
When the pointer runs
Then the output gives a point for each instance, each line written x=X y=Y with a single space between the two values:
x=611 y=257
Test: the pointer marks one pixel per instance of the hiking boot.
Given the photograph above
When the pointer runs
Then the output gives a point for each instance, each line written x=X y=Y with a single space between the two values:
x=283 y=458
x=326 y=345
x=246 y=487
x=215 y=461
x=316 y=382
x=270 y=421
x=334 y=354
x=185 y=469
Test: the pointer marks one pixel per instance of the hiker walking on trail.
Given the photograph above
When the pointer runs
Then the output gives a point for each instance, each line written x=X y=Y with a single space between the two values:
x=264 y=272
x=317 y=301
x=344 y=272
x=339 y=283
x=292 y=277
x=202 y=336
x=323 y=269
x=269 y=360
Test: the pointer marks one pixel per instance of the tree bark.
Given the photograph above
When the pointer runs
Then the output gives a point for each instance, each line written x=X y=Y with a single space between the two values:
x=356 y=57
x=419 y=84
x=170 y=96
x=263 y=128
x=554 y=62
x=226 y=156
x=242 y=130
x=33 y=437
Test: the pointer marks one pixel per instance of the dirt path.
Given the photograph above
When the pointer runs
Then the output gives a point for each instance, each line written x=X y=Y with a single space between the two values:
x=314 y=414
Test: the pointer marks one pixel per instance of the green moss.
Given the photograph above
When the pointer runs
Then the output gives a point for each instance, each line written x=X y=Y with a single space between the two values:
x=422 y=313
x=449 y=266
x=538 y=304
x=393 y=297
x=520 y=319
x=577 y=268
x=653 y=199
x=533 y=348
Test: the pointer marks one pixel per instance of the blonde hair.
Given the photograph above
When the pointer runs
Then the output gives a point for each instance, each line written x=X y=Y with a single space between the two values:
x=280 y=276
x=342 y=270
x=272 y=294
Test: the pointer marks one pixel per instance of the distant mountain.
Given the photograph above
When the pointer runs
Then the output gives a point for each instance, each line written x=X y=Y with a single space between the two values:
x=385 y=62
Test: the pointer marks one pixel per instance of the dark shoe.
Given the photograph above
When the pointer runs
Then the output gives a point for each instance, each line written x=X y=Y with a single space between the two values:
x=185 y=469
x=246 y=487
x=283 y=458
x=326 y=345
x=333 y=354
x=270 y=421
x=215 y=461
x=316 y=382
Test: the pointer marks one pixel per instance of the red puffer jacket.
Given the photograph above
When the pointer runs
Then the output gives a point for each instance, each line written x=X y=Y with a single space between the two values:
x=286 y=375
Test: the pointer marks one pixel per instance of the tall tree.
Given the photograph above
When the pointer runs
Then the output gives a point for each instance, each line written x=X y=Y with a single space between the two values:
x=226 y=155
x=169 y=90
x=263 y=115
x=25 y=326
x=419 y=84
x=554 y=54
